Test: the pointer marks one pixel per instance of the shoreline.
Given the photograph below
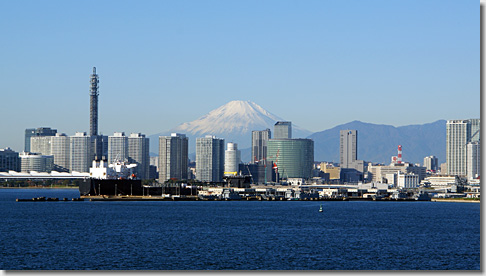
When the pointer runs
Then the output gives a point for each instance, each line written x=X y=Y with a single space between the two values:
x=61 y=187
x=455 y=200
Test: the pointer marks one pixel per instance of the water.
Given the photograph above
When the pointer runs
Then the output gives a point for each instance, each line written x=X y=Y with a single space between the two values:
x=241 y=235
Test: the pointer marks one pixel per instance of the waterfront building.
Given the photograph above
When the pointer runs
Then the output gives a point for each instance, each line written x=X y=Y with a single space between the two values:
x=117 y=147
x=334 y=172
x=440 y=181
x=282 y=130
x=473 y=160
x=431 y=163
x=407 y=180
x=40 y=145
x=138 y=153
x=9 y=160
x=380 y=173
x=209 y=159
x=348 y=151
x=294 y=158
x=80 y=152
x=60 y=149
x=232 y=159
x=173 y=157
x=458 y=134
x=35 y=162
x=35 y=132
x=259 y=141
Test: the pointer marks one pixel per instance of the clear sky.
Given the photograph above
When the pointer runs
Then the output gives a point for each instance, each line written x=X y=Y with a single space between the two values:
x=161 y=63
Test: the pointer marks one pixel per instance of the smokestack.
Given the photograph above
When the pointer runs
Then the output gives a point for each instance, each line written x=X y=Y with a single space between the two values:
x=93 y=112
x=399 y=157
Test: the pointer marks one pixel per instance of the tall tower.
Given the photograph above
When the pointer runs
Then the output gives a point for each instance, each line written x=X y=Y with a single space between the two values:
x=348 y=148
x=93 y=112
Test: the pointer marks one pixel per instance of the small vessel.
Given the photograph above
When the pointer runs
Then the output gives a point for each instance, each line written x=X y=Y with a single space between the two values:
x=320 y=209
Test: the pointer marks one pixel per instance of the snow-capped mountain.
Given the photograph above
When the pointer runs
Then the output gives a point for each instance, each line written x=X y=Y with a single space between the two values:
x=233 y=117
x=233 y=121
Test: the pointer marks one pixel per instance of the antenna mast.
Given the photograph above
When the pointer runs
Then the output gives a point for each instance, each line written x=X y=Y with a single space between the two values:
x=93 y=112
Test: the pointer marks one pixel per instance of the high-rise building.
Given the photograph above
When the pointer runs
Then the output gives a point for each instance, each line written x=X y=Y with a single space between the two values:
x=36 y=162
x=60 y=149
x=117 y=147
x=431 y=163
x=458 y=134
x=209 y=159
x=80 y=152
x=40 y=131
x=41 y=144
x=138 y=153
x=173 y=157
x=232 y=159
x=348 y=148
x=282 y=130
x=294 y=158
x=9 y=160
x=259 y=141
x=473 y=160
x=349 y=151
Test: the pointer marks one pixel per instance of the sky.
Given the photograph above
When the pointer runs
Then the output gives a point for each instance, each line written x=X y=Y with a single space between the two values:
x=161 y=63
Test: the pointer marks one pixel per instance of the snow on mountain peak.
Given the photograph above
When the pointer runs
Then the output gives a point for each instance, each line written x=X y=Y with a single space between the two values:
x=233 y=117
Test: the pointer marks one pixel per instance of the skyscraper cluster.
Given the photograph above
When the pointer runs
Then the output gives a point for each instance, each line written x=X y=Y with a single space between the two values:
x=280 y=156
x=75 y=153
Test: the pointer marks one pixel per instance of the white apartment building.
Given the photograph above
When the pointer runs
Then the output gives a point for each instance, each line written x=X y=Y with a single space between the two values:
x=117 y=147
x=138 y=153
x=60 y=149
x=80 y=152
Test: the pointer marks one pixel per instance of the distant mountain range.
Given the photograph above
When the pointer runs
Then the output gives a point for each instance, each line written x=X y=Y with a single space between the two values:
x=236 y=120
x=378 y=143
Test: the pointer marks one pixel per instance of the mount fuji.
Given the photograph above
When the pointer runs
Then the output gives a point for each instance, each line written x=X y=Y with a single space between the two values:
x=233 y=121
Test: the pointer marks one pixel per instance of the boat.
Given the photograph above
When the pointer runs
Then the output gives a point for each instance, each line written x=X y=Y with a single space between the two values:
x=111 y=180
x=117 y=181
x=320 y=209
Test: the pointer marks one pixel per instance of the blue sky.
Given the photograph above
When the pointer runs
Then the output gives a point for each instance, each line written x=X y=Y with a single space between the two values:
x=161 y=63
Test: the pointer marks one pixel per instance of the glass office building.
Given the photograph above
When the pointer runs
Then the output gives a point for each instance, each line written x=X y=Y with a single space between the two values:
x=294 y=157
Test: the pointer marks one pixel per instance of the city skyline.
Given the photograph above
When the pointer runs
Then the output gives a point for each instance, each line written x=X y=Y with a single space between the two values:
x=154 y=58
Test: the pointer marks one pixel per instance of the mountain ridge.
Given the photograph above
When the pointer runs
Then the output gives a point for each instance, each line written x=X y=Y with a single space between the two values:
x=379 y=142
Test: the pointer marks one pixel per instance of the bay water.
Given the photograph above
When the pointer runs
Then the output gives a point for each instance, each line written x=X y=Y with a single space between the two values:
x=235 y=235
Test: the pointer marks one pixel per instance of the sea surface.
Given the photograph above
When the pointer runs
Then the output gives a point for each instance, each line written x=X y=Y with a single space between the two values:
x=235 y=235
